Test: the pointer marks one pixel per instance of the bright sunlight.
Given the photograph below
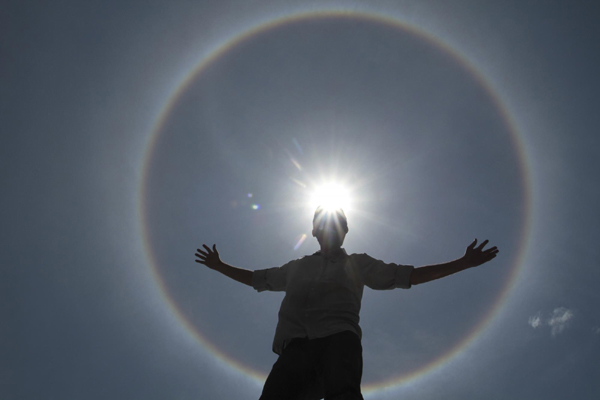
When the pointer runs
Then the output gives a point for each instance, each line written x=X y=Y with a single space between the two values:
x=331 y=196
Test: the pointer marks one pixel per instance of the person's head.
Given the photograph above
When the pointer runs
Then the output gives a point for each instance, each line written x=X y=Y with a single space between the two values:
x=330 y=227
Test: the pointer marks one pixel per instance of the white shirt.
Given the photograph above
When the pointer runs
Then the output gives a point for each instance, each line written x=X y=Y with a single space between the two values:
x=323 y=295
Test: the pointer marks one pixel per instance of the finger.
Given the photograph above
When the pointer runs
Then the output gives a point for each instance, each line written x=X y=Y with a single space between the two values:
x=215 y=249
x=472 y=245
x=491 y=250
x=201 y=252
x=201 y=256
x=207 y=248
x=482 y=245
x=200 y=262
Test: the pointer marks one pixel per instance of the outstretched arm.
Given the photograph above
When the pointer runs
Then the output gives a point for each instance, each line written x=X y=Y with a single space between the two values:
x=474 y=256
x=211 y=259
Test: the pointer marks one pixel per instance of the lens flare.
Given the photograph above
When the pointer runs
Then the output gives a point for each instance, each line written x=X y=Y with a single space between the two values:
x=301 y=240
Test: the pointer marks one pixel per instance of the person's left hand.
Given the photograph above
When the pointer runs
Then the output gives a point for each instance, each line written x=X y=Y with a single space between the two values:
x=475 y=256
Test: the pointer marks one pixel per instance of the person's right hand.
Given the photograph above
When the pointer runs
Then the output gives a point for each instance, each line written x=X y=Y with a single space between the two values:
x=210 y=258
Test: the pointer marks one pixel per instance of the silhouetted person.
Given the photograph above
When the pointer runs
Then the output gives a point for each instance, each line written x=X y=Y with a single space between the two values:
x=318 y=338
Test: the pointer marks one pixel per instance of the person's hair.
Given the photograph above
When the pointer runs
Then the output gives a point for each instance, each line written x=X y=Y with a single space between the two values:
x=337 y=214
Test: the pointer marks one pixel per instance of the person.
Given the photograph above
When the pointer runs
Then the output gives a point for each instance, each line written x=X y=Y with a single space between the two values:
x=318 y=337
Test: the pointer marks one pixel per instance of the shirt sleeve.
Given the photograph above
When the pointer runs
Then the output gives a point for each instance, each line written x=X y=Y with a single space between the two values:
x=272 y=279
x=379 y=275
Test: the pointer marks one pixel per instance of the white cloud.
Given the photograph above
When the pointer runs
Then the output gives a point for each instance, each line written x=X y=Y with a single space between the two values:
x=558 y=320
x=535 y=321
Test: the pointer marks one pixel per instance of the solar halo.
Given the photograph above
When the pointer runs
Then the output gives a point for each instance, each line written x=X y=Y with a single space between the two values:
x=333 y=193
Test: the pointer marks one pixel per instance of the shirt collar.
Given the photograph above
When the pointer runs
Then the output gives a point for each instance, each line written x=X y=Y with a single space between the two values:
x=340 y=254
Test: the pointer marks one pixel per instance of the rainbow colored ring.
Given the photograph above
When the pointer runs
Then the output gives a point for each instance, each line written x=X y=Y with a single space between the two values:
x=382 y=19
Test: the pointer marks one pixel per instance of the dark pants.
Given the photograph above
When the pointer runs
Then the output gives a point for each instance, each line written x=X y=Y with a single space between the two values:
x=329 y=367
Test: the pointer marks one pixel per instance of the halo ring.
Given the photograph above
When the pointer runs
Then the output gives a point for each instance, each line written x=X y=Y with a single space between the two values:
x=238 y=40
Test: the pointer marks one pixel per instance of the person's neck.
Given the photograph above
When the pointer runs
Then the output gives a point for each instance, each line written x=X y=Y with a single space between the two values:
x=330 y=251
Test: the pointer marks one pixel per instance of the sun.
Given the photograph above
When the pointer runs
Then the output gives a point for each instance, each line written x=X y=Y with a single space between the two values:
x=331 y=196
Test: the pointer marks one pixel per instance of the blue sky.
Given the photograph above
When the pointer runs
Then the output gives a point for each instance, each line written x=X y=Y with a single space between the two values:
x=457 y=121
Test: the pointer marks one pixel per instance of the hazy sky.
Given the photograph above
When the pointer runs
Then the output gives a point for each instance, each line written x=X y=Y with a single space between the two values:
x=133 y=132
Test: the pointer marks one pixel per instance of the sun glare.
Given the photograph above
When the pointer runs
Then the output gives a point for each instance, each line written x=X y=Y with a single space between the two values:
x=331 y=196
